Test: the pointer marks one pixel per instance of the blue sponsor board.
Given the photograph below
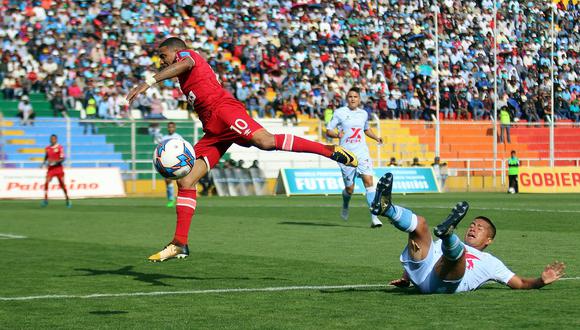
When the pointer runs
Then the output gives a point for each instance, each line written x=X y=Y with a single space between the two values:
x=325 y=181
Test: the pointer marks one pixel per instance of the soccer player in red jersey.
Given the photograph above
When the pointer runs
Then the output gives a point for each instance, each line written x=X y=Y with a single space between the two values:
x=54 y=156
x=225 y=121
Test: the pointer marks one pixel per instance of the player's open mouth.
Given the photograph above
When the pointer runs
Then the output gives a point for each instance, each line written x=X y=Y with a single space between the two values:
x=471 y=235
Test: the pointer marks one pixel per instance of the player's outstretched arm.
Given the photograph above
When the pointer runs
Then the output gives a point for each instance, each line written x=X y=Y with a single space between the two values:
x=551 y=273
x=169 y=72
x=370 y=133
x=334 y=134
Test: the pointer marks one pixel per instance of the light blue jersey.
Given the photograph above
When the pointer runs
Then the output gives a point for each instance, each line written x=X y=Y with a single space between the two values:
x=171 y=136
x=353 y=123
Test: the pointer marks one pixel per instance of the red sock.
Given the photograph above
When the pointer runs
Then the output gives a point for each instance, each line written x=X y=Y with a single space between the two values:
x=289 y=142
x=185 y=208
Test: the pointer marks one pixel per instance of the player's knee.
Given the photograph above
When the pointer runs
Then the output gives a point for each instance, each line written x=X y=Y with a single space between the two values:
x=349 y=190
x=187 y=182
x=422 y=225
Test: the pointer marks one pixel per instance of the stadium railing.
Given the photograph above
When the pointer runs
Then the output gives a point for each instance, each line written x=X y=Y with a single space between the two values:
x=128 y=144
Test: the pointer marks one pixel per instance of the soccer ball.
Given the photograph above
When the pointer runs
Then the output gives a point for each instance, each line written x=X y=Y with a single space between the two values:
x=174 y=158
x=511 y=190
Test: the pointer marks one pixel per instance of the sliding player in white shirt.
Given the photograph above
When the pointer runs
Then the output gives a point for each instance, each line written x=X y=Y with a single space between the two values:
x=352 y=121
x=450 y=265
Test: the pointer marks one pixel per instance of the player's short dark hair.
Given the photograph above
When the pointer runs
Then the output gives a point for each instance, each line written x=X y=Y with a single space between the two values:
x=174 y=43
x=488 y=220
x=170 y=123
x=354 y=89
x=53 y=135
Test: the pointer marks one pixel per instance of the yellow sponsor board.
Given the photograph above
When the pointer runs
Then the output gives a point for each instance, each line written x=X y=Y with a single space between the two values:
x=549 y=180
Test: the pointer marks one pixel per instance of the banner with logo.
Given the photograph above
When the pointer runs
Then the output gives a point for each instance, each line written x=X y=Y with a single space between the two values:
x=549 y=180
x=80 y=183
x=326 y=181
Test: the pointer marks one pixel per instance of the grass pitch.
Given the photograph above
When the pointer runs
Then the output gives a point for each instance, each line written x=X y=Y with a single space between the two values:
x=85 y=267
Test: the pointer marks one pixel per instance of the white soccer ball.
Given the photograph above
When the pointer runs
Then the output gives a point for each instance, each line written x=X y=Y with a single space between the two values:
x=174 y=158
x=511 y=190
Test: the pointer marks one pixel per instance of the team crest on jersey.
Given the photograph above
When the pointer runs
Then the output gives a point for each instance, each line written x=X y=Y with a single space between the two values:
x=469 y=260
x=356 y=136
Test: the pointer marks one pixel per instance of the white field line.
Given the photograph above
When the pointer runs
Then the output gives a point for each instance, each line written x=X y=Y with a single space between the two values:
x=210 y=291
x=10 y=236
x=412 y=207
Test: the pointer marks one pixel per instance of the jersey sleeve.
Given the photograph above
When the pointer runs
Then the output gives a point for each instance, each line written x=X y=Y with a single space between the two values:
x=60 y=152
x=183 y=54
x=334 y=122
x=500 y=273
x=367 y=125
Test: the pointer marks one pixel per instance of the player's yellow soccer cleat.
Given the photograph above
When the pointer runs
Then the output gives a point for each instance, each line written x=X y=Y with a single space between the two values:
x=344 y=156
x=169 y=252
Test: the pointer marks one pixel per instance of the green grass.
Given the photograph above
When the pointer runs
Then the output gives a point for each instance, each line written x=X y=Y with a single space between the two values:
x=100 y=246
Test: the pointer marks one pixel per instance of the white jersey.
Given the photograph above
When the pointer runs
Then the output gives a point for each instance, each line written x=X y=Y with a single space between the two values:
x=480 y=267
x=353 y=123
x=171 y=136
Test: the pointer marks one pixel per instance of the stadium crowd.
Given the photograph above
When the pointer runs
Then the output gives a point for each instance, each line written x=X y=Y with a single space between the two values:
x=280 y=57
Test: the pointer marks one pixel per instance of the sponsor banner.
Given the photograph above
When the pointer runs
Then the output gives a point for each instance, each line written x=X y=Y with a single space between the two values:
x=549 y=180
x=80 y=183
x=327 y=181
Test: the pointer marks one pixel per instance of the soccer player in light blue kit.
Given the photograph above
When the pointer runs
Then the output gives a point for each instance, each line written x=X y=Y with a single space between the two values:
x=450 y=265
x=171 y=134
x=350 y=124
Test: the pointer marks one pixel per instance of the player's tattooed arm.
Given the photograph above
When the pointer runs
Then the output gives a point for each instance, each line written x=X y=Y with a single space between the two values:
x=551 y=273
x=175 y=69
x=169 y=72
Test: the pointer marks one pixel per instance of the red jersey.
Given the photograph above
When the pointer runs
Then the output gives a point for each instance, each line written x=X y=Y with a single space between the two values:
x=201 y=86
x=54 y=154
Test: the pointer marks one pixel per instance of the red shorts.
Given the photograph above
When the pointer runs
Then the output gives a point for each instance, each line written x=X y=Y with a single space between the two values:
x=230 y=123
x=57 y=171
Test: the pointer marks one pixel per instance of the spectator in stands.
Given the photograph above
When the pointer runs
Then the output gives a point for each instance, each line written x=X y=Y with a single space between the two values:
x=25 y=111
x=575 y=110
x=103 y=107
x=446 y=104
x=143 y=103
x=416 y=162
x=393 y=162
x=505 y=122
x=528 y=110
x=393 y=111
x=73 y=97
x=57 y=104
x=415 y=106
x=255 y=164
x=440 y=170
x=253 y=105
x=207 y=184
x=91 y=115
x=289 y=112
x=385 y=45
x=8 y=87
